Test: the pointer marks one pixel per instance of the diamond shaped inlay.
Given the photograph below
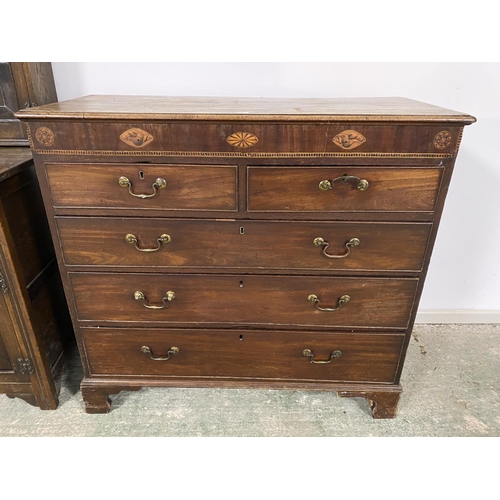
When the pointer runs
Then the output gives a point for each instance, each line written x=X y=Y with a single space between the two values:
x=349 y=139
x=136 y=137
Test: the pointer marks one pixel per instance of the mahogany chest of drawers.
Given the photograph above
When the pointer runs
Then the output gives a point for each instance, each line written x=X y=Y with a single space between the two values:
x=276 y=243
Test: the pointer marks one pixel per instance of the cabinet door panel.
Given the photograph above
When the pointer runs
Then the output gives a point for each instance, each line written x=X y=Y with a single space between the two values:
x=4 y=358
x=5 y=331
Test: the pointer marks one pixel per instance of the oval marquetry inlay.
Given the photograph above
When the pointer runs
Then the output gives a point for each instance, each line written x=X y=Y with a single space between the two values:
x=136 y=137
x=349 y=139
x=442 y=139
x=45 y=136
x=242 y=140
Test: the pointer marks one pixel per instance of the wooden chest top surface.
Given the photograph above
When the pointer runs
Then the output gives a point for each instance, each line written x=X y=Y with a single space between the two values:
x=12 y=160
x=121 y=107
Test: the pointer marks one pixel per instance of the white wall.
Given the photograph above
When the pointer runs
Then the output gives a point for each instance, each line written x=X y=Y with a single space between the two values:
x=464 y=274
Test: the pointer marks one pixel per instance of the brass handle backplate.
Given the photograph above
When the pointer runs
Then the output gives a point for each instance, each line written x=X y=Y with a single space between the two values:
x=345 y=299
x=147 y=350
x=320 y=242
x=132 y=239
x=309 y=354
x=326 y=185
x=169 y=296
x=157 y=184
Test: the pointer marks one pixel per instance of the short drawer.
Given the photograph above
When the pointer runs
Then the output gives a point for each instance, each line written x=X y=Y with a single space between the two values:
x=354 y=246
x=216 y=300
x=342 y=189
x=146 y=187
x=239 y=354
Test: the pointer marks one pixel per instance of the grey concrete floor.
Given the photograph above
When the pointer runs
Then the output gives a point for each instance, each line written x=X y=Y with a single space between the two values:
x=451 y=384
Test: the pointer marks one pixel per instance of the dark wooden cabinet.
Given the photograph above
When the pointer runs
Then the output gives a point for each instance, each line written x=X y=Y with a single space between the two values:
x=22 y=85
x=277 y=243
x=35 y=325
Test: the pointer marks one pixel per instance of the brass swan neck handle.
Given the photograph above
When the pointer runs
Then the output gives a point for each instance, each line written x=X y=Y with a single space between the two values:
x=171 y=352
x=333 y=355
x=168 y=297
x=320 y=242
x=362 y=184
x=157 y=184
x=344 y=299
x=163 y=238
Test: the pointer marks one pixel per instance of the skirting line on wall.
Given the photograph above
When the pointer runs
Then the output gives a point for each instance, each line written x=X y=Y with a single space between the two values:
x=458 y=316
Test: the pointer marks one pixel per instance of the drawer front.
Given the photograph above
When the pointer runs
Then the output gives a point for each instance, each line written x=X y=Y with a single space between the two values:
x=244 y=139
x=244 y=300
x=89 y=241
x=314 y=189
x=237 y=354
x=186 y=187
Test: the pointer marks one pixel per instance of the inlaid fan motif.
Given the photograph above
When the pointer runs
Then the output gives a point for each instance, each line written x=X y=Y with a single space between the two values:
x=242 y=140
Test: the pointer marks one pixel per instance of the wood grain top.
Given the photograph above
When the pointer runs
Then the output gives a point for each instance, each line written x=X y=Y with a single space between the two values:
x=12 y=160
x=118 y=107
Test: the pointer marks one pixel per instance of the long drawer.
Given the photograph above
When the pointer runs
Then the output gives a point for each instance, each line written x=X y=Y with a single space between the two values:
x=356 y=246
x=237 y=354
x=342 y=189
x=146 y=187
x=218 y=300
x=214 y=137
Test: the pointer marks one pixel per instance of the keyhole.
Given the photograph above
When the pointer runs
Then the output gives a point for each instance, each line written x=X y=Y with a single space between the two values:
x=241 y=284
x=241 y=337
x=242 y=230
x=141 y=174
